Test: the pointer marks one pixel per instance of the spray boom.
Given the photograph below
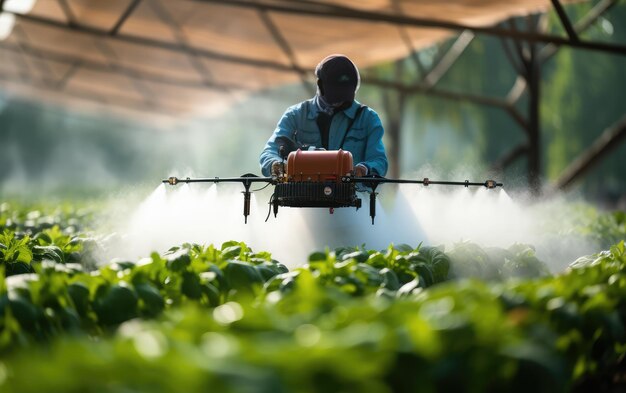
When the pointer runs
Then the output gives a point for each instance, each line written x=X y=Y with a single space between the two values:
x=374 y=181
x=319 y=179
x=315 y=192
x=246 y=180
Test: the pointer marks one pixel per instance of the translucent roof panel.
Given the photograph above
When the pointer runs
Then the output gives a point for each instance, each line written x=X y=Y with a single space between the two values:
x=179 y=57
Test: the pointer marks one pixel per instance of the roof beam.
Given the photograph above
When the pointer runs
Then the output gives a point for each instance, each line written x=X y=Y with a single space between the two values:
x=582 y=25
x=607 y=141
x=71 y=71
x=118 y=102
x=413 y=52
x=149 y=42
x=25 y=72
x=44 y=69
x=120 y=22
x=571 y=33
x=516 y=91
x=109 y=54
x=452 y=95
x=168 y=19
x=406 y=38
x=448 y=59
x=96 y=66
x=400 y=20
x=316 y=8
x=423 y=88
x=522 y=82
x=548 y=51
x=517 y=63
x=10 y=79
x=67 y=11
x=89 y=96
x=321 y=11
x=282 y=43
x=523 y=51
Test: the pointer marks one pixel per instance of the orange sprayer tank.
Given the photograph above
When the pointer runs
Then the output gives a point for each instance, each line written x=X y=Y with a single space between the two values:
x=318 y=165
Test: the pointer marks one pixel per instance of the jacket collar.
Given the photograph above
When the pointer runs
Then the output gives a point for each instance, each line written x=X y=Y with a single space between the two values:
x=351 y=112
x=314 y=110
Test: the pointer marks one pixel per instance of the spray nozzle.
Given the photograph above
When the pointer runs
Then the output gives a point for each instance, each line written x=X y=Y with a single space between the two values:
x=172 y=180
x=491 y=184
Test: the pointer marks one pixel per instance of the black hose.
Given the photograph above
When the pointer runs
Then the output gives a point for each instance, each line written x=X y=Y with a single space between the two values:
x=269 y=210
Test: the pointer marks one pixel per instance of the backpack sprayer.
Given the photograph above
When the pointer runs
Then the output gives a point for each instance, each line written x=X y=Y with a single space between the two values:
x=318 y=178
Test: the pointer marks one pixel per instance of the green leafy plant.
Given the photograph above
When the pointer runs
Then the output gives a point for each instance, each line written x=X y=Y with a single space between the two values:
x=227 y=318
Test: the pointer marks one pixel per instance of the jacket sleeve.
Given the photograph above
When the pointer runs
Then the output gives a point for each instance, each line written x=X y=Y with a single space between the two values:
x=375 y=157
x=285 y=127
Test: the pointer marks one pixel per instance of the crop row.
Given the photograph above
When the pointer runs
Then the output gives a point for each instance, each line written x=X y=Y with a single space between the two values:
x=226 y=318
x=549 y=334
x=64 y=296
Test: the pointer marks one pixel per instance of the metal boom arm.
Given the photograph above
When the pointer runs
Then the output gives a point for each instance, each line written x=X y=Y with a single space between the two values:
x=372 y=182
x=246 y=180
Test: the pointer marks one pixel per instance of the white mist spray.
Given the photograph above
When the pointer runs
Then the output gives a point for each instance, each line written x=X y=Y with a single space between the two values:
x=414 y=214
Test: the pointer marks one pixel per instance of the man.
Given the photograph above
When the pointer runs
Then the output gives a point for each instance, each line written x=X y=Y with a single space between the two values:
x=332 y=120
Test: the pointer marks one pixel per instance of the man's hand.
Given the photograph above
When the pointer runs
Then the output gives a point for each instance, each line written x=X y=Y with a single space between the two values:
x=278 y=169
x=360 y=170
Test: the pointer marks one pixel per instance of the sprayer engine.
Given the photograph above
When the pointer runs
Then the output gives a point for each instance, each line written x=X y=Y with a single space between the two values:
x=314 y=179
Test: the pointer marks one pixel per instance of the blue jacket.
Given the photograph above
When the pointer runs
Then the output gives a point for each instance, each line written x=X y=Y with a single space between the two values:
x=364 y=139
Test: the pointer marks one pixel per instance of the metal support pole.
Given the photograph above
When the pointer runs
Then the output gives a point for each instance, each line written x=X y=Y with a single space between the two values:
x=609 y=140
x=393 y=102
x=534 y=146
x=571 y=33
x=448 y=59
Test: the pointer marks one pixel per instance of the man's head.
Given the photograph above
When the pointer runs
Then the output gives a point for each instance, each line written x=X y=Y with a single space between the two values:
x=337 y=79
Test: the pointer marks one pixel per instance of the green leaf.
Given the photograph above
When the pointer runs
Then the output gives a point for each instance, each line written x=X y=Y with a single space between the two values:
x=232 y=252
x=617 y=249
x=425 y=271
x=13 y=268
x=318 y=256
x=409 y=288
x=242 y=276
x=268 y=270
x=79 y=293
x=53 y=253
x=178 y=261
x=390 y=279
x=359 y=256
x=116 y=305
x=212 y=294
x=25 y=312
x=43 y=239
x=152 y=302
x=403 y=247
x=190 y=285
